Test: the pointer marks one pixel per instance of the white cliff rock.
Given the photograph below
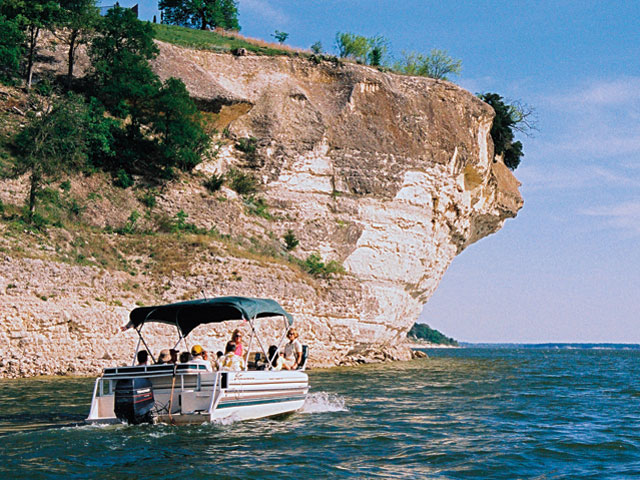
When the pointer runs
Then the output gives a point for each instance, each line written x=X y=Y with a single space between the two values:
x=391 y=176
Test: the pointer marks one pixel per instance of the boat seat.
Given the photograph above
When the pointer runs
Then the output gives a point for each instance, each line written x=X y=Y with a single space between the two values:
x=303 y=362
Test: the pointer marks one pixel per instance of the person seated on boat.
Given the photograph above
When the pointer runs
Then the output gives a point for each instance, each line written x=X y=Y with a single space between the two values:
x=185 y=357
x=236 y=337
x=164 y=357
x=219 y=356
x=231 y=361
x=168 y=356
x=197 y=357
x=292 y=351
x=275 y=357
x=143 y=357
x=174 y=355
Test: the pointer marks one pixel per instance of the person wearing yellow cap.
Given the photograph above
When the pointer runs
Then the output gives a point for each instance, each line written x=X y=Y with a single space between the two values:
x=197 y=357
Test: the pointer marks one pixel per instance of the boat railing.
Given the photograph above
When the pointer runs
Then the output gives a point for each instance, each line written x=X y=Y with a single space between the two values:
x=217 y=391
x=153 y=370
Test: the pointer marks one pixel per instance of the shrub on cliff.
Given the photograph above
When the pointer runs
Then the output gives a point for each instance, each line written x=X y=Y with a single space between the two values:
x=290 y=240
x=435 y=64
x=370 y=50
x=318 y=268
x=214 y=182
x=509 y=118
x=242 y=183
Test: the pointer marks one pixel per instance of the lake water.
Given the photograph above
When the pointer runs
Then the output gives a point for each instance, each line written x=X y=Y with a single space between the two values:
x=476 y=413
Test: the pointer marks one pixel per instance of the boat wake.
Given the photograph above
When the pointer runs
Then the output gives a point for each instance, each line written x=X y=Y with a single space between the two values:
x=233 y=418
x=321 y=402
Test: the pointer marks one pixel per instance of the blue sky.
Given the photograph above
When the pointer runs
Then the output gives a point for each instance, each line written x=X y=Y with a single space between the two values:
x=568 y=267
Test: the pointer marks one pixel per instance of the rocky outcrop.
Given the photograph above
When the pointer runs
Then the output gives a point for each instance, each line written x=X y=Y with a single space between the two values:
x=391 y=176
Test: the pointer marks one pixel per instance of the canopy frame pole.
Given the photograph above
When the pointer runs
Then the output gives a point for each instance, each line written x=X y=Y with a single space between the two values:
x=181 y=335
x=258 y=339
x=139 y=330
x=135 y=352
x=286 y=330
x=246 y=355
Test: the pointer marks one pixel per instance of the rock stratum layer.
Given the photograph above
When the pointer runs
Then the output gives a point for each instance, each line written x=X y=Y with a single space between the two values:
x=391 y=176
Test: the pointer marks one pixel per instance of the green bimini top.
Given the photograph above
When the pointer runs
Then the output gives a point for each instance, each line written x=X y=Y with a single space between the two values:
x=188 y=315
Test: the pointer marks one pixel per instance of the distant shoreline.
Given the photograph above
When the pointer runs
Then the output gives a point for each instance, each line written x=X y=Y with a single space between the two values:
x=554 y=346
x=559 y=345
x=416 y=345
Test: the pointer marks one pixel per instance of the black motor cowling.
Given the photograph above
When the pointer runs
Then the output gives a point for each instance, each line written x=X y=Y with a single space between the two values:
x=134 y=400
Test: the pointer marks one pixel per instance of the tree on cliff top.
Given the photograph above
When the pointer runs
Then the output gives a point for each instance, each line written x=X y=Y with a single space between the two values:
x=436 y=64
x=201 y=14
x=370 y=50
x=509 y=117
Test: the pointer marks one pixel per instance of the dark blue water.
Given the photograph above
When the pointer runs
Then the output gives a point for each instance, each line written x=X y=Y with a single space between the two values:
x=463 y=413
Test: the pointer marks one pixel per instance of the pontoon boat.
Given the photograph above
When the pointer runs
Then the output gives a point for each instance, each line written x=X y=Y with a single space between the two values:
x=186 y=393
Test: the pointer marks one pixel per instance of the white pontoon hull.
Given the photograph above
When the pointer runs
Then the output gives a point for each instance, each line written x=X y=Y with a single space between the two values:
x=189 y=395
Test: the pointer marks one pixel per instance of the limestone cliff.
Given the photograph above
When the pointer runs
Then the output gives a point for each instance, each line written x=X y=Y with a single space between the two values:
x=392 y=176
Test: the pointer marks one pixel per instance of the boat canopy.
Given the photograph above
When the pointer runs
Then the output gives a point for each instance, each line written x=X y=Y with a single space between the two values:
x=190 y=314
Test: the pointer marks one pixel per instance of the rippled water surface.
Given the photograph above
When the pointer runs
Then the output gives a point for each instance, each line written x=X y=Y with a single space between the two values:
x=463 y=413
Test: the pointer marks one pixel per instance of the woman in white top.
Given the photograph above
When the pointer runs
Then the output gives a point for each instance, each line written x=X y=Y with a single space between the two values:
x=292 y=351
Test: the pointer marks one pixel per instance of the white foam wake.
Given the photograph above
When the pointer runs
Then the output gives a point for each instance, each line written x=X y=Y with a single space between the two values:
x=228 y=420
x=323 y=402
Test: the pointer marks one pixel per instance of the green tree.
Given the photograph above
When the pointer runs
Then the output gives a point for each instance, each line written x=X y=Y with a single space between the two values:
x=353 y=46
x=281 y=37
x=378 y=49
x=32 y=16
x=509 y=117
x=51 y=143
x=317 y=47
x=422 y=331
x=11 y=51
x=436 y=64
x=290 y=240
x=100 y=135
x=122 y=75
x=78 y=19
x=201 y=14
x=178 y=125
x=370 y=50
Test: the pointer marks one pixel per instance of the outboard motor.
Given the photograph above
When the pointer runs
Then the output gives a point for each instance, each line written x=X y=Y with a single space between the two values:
x=134 y=400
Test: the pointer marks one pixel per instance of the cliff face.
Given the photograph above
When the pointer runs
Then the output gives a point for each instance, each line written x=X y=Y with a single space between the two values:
x=391 y=176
